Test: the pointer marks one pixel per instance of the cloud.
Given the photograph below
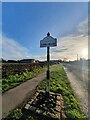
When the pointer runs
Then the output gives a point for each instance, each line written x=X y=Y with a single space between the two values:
x=45 y=1
x=61 y=50
x=82 y=28
x=71 y=45
x=13 y=50
x=68 y=46
x=74 y=46
x=41 y=57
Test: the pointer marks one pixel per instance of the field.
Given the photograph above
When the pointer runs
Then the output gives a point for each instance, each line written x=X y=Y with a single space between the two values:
x=15 y=74
x=18 y=68
x=58 y=83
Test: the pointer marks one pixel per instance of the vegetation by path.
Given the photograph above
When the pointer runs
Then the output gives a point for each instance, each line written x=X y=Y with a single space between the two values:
x=58 y=83
x=14 y=80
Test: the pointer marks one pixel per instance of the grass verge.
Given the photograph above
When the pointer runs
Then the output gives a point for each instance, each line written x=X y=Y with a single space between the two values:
x=58 y=83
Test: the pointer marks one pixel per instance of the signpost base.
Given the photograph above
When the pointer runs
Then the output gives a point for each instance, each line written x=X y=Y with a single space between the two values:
x=48 y=82
x=47 y=95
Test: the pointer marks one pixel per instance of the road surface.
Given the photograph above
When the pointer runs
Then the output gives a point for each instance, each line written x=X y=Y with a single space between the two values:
x=79 y=86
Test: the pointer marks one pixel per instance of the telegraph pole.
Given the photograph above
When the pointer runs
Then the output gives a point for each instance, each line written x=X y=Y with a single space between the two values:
x=77 y=57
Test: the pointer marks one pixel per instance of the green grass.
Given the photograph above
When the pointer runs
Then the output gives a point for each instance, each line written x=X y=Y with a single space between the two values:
x=17 y=114
x=14 y=80
x=58 y=83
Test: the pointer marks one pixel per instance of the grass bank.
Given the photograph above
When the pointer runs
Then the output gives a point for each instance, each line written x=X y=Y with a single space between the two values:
x=58 y=83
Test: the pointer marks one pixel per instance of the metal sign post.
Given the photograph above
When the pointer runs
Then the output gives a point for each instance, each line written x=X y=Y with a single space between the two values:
x=48 y=72
x=48 y=42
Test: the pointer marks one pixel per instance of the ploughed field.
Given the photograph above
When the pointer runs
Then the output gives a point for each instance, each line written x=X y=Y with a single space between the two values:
x=14 y=74
x=18 y=68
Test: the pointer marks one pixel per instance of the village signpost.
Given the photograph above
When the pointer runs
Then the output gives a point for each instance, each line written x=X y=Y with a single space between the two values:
x=48 y=42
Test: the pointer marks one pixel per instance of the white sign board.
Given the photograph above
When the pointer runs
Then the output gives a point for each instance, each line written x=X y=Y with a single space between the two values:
x=48 y=42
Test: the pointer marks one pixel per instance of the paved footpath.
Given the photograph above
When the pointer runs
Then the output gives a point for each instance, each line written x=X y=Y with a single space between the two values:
x=16 y=96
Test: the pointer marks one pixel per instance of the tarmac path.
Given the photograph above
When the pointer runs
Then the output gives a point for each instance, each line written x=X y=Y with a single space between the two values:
x=18 y=95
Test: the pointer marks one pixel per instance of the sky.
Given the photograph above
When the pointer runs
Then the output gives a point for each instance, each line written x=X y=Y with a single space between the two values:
x=45 y=0
x=24 y=24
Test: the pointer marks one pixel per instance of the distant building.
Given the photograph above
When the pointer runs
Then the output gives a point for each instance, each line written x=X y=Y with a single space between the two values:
x=54 y=61
x=12 y=61
x=2 y=60
x=36 y=61
x=27 y=61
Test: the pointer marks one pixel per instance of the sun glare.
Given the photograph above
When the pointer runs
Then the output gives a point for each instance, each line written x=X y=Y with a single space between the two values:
x=85 y=53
